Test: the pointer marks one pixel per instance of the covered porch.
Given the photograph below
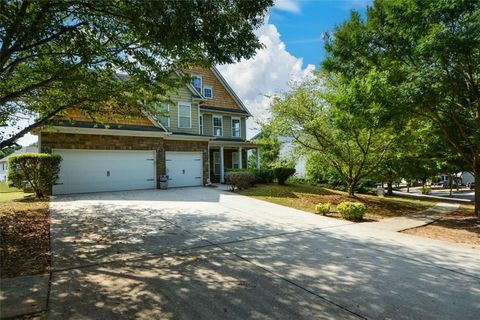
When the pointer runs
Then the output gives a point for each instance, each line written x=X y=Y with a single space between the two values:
x=228 y=155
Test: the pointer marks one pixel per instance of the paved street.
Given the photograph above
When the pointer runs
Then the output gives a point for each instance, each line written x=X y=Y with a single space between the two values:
x=201 y=253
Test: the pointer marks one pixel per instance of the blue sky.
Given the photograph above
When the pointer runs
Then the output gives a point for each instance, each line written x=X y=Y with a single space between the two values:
x=302 y=23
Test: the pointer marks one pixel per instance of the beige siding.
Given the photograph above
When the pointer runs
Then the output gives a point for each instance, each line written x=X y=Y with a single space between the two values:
x=243 y=129
x=183 y=95
x=207 y=124
x=227 y=124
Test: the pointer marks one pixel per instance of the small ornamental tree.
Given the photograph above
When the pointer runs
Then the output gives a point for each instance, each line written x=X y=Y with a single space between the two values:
x=39 y=171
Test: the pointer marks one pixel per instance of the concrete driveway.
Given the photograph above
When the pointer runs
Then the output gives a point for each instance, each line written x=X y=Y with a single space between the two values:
x=201 y=253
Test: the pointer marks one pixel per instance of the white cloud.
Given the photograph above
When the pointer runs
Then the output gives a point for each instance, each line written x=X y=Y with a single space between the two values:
x=287 y=5
x=266 y=74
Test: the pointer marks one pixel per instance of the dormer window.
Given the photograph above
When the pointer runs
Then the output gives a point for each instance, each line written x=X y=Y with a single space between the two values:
x=208 y=92
x=197 y=82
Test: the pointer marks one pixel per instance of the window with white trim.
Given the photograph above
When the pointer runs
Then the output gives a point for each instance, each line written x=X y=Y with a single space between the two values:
x=208 y=92
x=200 y=119
x=236 y=128
x=197 y=82
x=163 y=114
x=184 y=115
x=218 y=126
x=235 y=160
x=216 y=163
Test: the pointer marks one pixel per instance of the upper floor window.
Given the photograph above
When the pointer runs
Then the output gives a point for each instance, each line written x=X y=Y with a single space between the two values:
x=217 y=126
x=201 y=124
x=163 y=114
x=236 y=128
x=208 y=92
x=197 y=82
x=184 y=115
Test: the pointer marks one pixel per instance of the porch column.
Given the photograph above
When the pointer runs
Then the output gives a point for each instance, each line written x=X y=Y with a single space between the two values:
x=257 y=152
x=240 y=158
x=222 y=169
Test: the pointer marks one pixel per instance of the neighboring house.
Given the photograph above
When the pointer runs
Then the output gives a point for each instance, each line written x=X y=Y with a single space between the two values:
x=3 y=161
x=287 y=153
x=202 y=134
x=463 y=177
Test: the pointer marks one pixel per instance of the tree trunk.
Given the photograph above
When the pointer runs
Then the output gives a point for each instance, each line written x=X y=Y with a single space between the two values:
x=408 y=187
x=390 y=188
x=351 y=190
x=477 y=185
x=450 y=183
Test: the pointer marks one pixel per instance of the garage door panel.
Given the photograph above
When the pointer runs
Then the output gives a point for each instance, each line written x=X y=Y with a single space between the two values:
x=102 y=170
x=184 y=168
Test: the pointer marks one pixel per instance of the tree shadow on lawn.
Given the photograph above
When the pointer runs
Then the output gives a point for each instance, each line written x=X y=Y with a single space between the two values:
x=24 y=237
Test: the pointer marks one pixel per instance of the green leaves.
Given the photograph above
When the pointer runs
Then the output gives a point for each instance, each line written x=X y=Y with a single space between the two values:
x=57 y=54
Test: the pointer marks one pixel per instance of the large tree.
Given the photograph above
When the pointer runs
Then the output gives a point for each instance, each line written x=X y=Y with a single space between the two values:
x=335 y=121
x=432 y=50
x=56 y=53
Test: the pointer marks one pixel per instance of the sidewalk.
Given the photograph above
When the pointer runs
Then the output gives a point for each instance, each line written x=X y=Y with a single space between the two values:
x=24 y=295
x=417 y=220
x=432 y=197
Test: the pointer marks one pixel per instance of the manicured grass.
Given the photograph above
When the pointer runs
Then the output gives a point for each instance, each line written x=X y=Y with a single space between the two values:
x=24 y=237
x=9 y=194
x=460 y=226
x=305 y=197
x=5 y=188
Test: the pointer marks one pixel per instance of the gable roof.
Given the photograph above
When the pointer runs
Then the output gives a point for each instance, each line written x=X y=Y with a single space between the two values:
x=229 y=89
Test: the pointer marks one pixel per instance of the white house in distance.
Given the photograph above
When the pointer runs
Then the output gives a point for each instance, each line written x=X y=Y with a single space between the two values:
x=3 y=161
x=287 y=152
x=464 y=177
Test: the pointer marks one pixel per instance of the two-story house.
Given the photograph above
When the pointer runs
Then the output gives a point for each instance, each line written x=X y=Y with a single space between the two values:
x=193 y=141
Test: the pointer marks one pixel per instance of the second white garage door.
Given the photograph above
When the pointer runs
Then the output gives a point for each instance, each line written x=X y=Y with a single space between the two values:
x=184 y=169
x=101 y=170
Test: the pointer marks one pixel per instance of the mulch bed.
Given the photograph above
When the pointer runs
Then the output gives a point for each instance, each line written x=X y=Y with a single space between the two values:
x=460 y=226
x=24 y=238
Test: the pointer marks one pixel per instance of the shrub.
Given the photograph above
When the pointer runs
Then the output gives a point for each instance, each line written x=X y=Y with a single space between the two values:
x=351 y=210
x=240 y=179
x=283 y=173
x=322 y=208
x=426 y=190
x=263 y=175
x=37 y=171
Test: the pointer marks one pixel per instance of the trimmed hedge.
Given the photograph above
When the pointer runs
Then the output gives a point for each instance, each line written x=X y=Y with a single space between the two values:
x=323 y=208
x=35 y=171
x=240 y=179
x=263 y=175
x=283 y=173
x=351 y=210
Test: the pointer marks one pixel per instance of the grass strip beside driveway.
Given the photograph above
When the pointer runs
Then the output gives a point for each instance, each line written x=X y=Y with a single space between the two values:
x=305 y=197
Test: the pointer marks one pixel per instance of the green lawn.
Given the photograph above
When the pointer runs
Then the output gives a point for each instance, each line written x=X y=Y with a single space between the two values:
x=8 y=194
x=305 y=197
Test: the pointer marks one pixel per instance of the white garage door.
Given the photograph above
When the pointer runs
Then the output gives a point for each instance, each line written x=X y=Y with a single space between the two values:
x=102 y=170
x=184 y=169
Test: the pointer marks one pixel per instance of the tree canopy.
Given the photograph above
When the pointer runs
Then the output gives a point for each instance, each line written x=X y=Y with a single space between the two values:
x=429 y=51
x=55 y=54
